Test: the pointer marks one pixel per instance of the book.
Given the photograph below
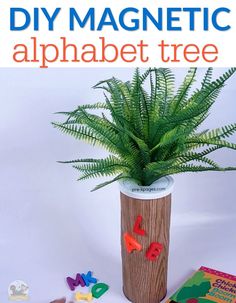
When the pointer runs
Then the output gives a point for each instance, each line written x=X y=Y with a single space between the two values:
x=205 y=286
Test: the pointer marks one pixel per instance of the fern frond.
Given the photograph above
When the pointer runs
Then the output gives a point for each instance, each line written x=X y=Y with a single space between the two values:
x=183 y=91
x=119 y=177
x=101 y=85
x=102 y=166
x=109 y=171
x=79 y=132
x=197 y=157
x=199 y=142
x=165 y=79
x=84 y=133
x=207 y=78
x=98 y=105
x=220 y=133
x=86 y=160
x=199 y=168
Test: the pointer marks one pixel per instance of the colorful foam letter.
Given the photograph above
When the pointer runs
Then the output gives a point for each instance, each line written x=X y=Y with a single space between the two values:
x=154 y=251
x=99 y=289
x=85 y=297
x=89 y=279
x=74 y=283
x=137 y=226
x=131 y=244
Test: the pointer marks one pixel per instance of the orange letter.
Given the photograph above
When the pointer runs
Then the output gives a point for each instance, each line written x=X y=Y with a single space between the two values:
x=24 y=52
x=72 y=48
x=162 y=46
x=142 y=45
x=124 y=51
x=175 y=47
x=214 y=52
x=90 y=51
x=45 y=49
x=105 y=51
x=195 y=51
x=131 y=244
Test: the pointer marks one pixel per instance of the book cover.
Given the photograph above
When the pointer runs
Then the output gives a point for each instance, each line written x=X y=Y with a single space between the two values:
x=205 y=286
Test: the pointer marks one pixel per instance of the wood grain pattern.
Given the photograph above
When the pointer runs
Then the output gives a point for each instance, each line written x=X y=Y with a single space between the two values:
x=145 y=281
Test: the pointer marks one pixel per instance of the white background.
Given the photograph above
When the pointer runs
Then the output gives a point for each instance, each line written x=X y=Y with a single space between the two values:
x=51 y=226
x=223 y=40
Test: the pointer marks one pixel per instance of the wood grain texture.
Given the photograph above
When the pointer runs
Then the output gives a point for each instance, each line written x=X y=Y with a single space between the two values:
x=145 y=281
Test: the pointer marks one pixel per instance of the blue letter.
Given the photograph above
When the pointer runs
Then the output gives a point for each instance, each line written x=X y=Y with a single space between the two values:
x=107 y=13
x=36 y=19
x=170 y=19
x=89 y=278
x=206 y=19
x=147 y=15
x=13 y=26
x=192 y=11
x=82 y=23
x=52 y=18
x=215 y=16
x=134 y=21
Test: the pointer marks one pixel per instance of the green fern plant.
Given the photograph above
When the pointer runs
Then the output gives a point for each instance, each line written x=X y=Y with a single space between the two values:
x=150 y=133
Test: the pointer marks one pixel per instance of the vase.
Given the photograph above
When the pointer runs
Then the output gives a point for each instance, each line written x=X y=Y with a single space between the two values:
x=145 y=228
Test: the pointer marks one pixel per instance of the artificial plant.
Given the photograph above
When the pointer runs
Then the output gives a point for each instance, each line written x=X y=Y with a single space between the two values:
x=149 y=129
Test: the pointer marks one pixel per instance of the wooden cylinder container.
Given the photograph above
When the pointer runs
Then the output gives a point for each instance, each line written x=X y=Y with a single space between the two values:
x=145 y=222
